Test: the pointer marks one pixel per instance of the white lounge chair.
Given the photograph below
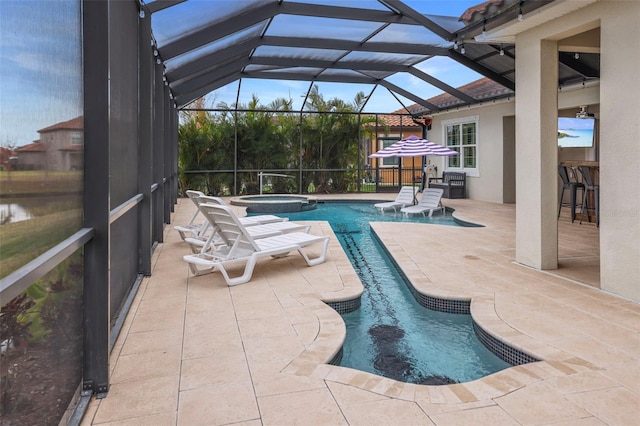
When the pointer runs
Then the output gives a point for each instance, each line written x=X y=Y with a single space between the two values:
x=240 y=247
x=429 y=202
x=405 y=198
x=192 y=228
x=256 y=230
x=195 y=229
x=248 y=220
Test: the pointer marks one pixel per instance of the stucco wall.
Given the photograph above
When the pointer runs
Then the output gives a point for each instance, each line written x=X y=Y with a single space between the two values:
x=488 y=186
x=496 y=145
x=619 y=150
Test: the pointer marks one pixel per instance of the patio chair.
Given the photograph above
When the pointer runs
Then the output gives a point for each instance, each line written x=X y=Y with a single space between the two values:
x=453 y=184
x=192 y=227
x=570 y=182
x=590 y=186
x=256 y=230
x=429 y=202
x=239 y=247
x=405 y=197
x=199 y=230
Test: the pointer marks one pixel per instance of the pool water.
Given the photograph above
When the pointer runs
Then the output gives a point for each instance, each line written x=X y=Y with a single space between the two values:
x=391 y=334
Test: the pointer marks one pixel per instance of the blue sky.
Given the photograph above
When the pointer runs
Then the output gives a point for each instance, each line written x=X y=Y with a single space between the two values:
x=40 y=69
x=441 y=68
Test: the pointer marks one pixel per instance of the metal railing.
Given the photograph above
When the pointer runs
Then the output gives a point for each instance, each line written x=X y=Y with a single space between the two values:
x=262 y=174
x=18 y=281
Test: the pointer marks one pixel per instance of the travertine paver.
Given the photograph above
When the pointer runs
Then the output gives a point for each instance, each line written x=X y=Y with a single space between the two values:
x=195 y=351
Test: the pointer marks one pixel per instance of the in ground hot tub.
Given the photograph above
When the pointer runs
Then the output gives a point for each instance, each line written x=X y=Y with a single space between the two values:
x=275 y=203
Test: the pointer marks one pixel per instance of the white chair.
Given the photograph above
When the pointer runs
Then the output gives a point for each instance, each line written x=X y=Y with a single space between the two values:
x=240 y=247
x=405 y=197
x=246 y=221
x=195 y=229
x=256 y=230
x=429 y=202
x=192 y=227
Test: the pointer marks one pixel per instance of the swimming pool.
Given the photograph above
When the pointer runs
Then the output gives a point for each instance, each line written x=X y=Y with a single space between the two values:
x=391 y=334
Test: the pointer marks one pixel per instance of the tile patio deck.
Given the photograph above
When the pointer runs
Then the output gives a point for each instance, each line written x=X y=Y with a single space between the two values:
x=194 y=351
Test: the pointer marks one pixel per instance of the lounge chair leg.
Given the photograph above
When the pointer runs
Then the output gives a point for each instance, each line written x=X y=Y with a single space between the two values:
x=244 y=278
x=317 y=260
x=197 y=272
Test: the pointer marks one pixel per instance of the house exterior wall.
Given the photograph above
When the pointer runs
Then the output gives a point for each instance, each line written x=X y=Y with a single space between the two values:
x=496 y=181
x=63 y=150
x=619 y=151
x=489 y=183
x=32 y=160
x=408 y=163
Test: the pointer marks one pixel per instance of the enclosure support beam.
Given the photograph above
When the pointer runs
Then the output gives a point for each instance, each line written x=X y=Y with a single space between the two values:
x=145 y=151
x=158 y=154
x=96 y=197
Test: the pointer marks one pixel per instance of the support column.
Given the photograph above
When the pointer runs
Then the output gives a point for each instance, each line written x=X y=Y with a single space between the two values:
x=536 y=152
x=145 y=151
x=158 y=154
x=620 y=150
x=97 y=140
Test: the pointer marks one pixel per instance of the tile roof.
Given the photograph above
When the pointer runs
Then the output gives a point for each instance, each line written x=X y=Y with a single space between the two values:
x=483 y=88
x=72 y=148
x=394 y=120
x=73 y=124
x=482 y=10
x=32 y=147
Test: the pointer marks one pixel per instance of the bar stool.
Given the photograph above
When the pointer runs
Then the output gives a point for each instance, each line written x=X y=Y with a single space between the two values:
x=572 y=185
x=589 y=185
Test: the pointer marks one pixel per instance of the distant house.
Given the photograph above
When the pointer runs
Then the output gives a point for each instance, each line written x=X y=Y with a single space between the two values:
x=6 y=157
x=60 y=147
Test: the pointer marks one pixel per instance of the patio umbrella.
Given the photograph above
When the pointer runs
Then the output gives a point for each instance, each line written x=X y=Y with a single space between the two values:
x=413 y=146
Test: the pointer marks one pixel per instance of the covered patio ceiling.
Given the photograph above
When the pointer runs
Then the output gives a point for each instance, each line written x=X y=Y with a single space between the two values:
x=205 y=45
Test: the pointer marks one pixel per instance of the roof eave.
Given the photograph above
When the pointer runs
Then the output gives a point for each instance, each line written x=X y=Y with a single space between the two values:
x=505 y=26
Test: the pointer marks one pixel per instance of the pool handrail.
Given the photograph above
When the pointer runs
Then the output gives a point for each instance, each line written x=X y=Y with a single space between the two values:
x=261 y=174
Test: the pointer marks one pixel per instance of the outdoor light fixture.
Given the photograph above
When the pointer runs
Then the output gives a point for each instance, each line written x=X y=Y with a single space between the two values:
x=484 y=28
x=520 y=15
x=501 y=51
x=576 y=55
x=462 y=50
x=455 y=45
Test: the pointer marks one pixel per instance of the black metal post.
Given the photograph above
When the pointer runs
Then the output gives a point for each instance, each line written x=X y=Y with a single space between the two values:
x=96 y=298
x=145 y=152
x=158 y=153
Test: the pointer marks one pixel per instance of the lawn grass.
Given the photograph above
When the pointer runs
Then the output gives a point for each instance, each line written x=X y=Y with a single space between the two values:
x=53 y=218
x=23 y=241
x=39 y=182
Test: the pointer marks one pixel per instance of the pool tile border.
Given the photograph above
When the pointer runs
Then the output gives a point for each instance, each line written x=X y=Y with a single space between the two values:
x=501 y=349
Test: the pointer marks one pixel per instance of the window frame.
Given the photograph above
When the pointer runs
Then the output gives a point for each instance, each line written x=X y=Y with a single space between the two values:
x=388 y=162
x=77 y=138
x=460 y=122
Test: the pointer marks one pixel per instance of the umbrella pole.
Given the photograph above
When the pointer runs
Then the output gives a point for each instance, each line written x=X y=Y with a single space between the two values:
x=413 y=179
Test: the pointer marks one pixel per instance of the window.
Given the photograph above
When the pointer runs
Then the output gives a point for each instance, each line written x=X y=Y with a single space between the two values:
x=76 y=139
x=462 y=135
x=389 y=161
